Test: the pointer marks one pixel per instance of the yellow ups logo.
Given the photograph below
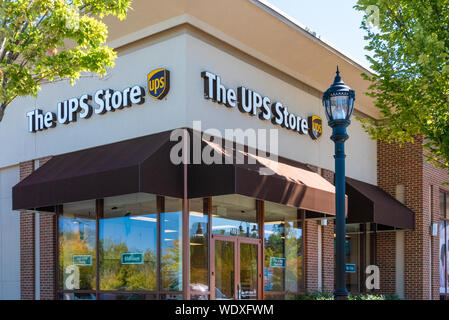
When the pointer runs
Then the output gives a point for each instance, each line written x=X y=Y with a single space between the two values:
x=315 y=127
x=158 y=83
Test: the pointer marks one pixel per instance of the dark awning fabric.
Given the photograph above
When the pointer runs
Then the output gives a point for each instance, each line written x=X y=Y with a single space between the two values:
x=292 y=183
x=131 y=166
x=143 y=165
x=369 y=203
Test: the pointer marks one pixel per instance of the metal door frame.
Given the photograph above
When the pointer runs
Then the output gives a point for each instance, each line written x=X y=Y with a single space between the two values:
x=237 y=241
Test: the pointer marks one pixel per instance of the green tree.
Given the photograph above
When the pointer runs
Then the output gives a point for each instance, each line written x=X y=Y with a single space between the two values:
x=409 y=54
x=46 y=40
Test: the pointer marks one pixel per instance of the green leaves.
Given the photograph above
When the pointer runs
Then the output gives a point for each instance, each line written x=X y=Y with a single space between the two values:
x=409 y=52
x=46 y=40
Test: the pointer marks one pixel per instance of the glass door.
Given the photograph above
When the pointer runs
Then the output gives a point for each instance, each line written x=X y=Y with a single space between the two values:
x=235 y=268
x=248 y=270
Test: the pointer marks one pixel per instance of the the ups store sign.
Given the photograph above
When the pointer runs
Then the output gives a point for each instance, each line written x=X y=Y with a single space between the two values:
x=254 y=104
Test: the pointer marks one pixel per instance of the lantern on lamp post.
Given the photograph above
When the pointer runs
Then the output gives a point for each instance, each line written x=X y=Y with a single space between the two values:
x=338 y=102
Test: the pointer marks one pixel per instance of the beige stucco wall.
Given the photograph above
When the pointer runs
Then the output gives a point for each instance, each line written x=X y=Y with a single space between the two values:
x=186 y=56
x=361 y=150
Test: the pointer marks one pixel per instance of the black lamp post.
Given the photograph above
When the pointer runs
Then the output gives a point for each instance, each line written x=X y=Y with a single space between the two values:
x=338 y=102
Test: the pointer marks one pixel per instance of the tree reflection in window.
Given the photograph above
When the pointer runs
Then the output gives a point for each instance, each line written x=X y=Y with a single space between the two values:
x=77 y=254
x=171 y=245
x=129 y=228
x=283 y=249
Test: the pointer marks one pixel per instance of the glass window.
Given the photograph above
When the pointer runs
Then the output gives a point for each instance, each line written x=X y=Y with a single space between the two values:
x=199 y=247
x=128 y=243
x=77 y=243
x=352 y=256
x=283 y=249
x=171 y=296
x=446 y=239
x=235 y=215
x=443 y=258
x=171 y=245
x=127 y=296
x=78 y=296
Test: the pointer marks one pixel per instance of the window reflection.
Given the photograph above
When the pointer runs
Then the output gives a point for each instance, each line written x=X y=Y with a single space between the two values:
x=77 y=242
x=78 y=296
x=127 y=296
x=443 y=258
x=128 y=243
x=235 y=215
x=171 y=245
x=199 y=245
x=283 y=249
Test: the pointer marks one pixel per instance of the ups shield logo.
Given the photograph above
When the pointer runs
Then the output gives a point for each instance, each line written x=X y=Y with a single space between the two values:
x=315 y=127
x=158 y=83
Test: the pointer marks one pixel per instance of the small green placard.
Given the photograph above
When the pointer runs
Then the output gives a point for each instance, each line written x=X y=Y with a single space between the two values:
x=82 y=260
x=277 y=262
x=132 y=258
x=350 y=268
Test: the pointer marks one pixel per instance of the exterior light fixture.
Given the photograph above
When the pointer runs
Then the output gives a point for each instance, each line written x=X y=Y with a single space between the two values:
x=338 y=102
x=199 y=231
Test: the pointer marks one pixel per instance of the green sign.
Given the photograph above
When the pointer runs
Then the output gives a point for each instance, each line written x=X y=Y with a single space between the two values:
x=132 y=258
x=82 y=260
x=350 y=268
x=277 y=262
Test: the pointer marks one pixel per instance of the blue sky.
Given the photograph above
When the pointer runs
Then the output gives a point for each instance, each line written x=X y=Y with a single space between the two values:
x=334 y=20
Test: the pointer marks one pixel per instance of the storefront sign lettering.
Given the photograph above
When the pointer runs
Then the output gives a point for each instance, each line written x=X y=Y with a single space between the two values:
x=350 y=268
x=101 y=102
x=132 y=258
x=256 y=105
x=277 y=262
x=82 y=260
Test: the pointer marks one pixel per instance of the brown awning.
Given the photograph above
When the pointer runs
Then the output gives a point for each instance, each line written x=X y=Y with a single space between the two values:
x=369 y=203
x=143 y=165
x=292 y=183
x=131 y=166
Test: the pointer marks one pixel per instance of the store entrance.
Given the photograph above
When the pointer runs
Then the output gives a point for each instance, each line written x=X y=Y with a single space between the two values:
x=236 y=271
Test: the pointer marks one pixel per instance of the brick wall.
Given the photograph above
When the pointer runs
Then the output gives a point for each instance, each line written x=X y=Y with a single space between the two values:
x=47 y=248
x=47 y=241
x=311 y=255
x=327 y=256
x=408 y=166
x=433 y=184
x=386 y=261
x=27 y=244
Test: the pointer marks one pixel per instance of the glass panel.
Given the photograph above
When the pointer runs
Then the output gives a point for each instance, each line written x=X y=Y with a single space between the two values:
x=339 y=107
x=235 y=215
x=77 y=254
x=446 y=226
x=171 y=245
x=248 y=271
x=199 y=297
x=127 y=296
x=171 y=296
x=128 y=243
x=352 y=247
x=283 y=249
x=199 y=246
x=224 y=270
x=442 y=260
x=78 y=296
